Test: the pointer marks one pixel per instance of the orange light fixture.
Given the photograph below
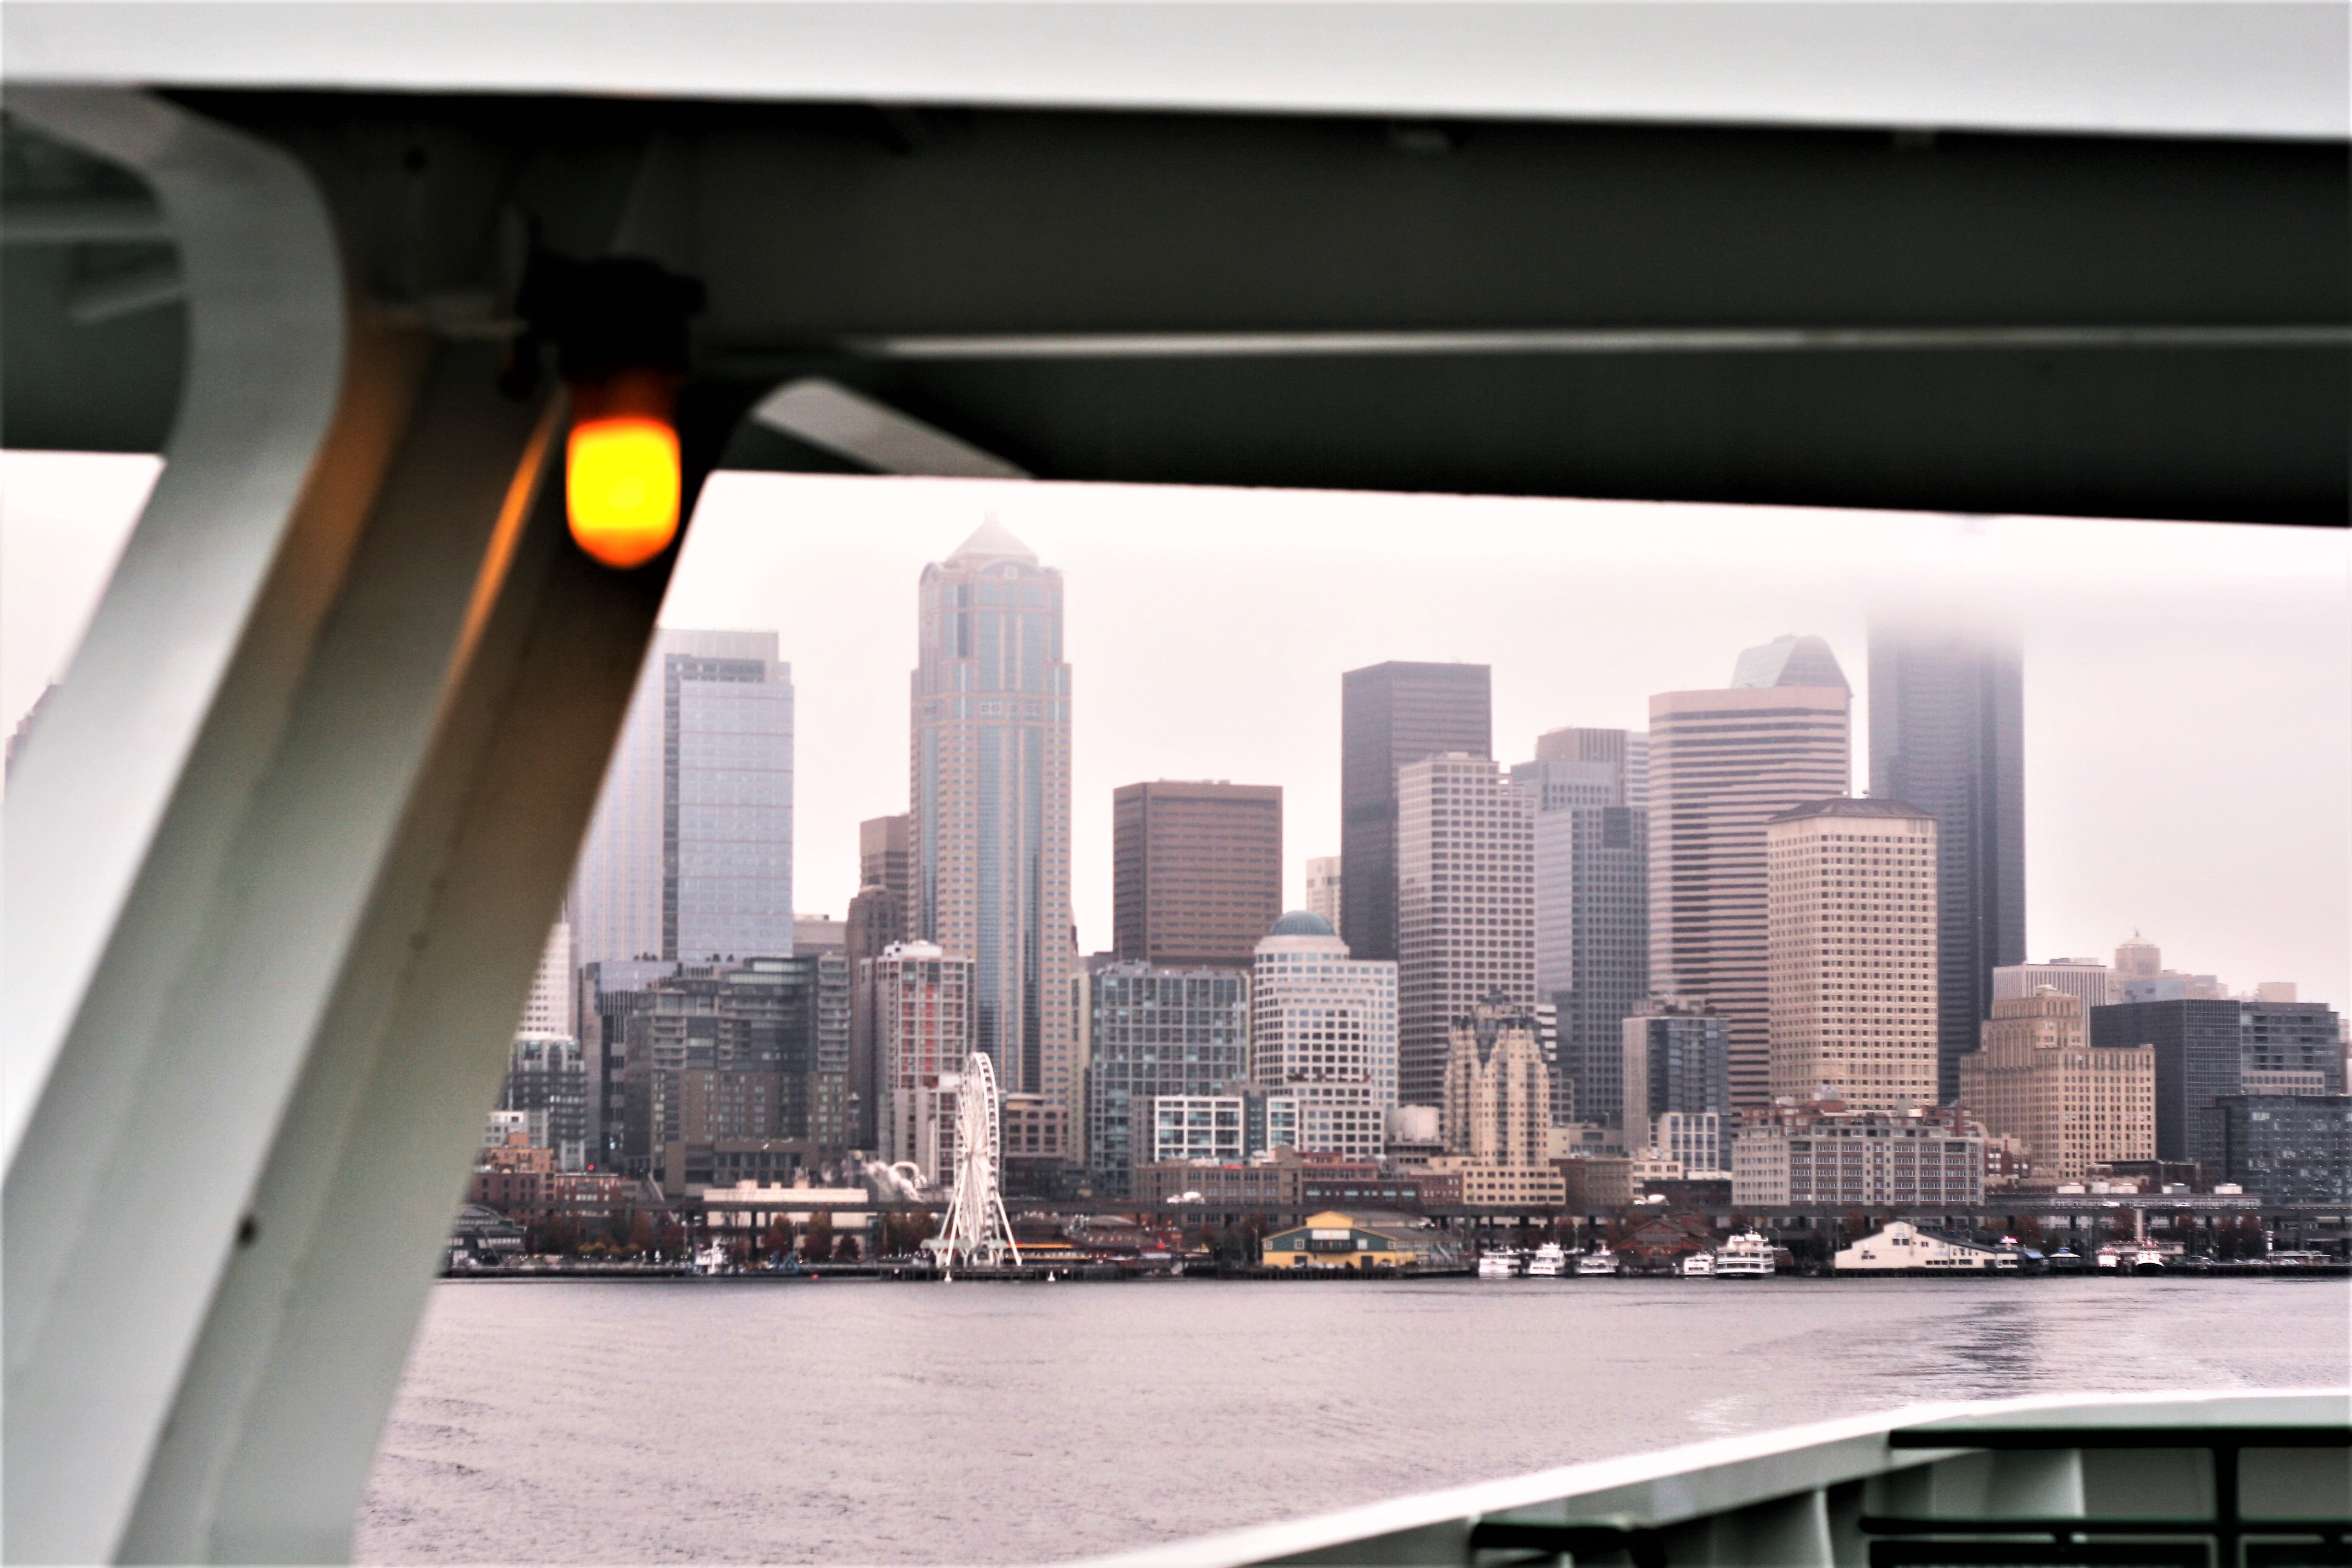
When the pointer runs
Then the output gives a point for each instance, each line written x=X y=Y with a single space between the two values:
x=622 y=475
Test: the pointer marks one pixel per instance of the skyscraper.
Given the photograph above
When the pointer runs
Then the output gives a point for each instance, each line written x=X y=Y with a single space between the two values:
x=1196 y=871
x=1593 y=904
x=1323 y=1030
x=885 y=860
x=1852 y=953
x=1947 y=735
x=689 y=854
x=1721 y=762
x=1497 y=1106
x=1389 y=715
x=1323 y=888
x=876 y=921
x=991 y=786
x=1676 y=1061
x=1465 y=908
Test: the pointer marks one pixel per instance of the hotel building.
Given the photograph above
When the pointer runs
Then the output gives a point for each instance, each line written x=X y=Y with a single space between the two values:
x=2039 y=1080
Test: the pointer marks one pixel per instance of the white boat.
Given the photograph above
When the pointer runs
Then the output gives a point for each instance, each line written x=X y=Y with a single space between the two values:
x=1696 y=1266
x=1747 y=1256
x=1548 y=1262
x=1599 y=1260
x=1497 y=1263
x=713 y=1259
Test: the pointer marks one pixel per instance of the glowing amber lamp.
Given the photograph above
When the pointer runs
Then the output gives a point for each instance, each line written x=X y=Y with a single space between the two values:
x=621 y=474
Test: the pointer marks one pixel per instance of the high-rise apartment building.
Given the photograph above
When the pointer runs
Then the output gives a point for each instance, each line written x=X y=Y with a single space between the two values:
x=546 y=1082
x=1392 y=715
x=885 y=860
x=2086 y=979
x=1465 y=907
x=1853 y=953
x=1593 y=903
x=1721 y=763
x=689 y=854
x=1196 y=871
x=990 y=762
x=1498 y=1091
x=756 y=1051
x=923 y=1031
x=1673 y=1058
x=1323 y=888
x=1947 y=735
x=1156 y=1032
x=2039 y=1080
x=1323 y=1031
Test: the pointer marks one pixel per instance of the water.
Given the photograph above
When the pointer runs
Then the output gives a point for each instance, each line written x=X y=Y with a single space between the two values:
x=859 y=1422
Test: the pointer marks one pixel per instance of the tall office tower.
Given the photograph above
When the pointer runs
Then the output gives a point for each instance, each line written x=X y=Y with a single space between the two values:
x=923 y=1029
x=1853 y=952
x=1498 y=1091
x=885 y=860
x=1323 y=888
x=990 y=763
x=1675 y=1059
x=2038 y=1080
x=1156 y=1031
x=689 y=854
x=1593 y=904
x=2085 y=978
x=1392 y=715
x=1196 y=871
x=2199 y=1057
x=876 y=920
x=1323 y=1029
x=1947 y=735
x=548 y=1009
x=1465 y=907
x=1720 y=763
x=2139 y=959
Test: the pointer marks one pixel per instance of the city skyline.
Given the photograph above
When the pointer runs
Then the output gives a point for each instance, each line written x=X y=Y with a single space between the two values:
x=2149 y=643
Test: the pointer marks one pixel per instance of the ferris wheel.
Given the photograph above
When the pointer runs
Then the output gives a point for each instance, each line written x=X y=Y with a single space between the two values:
x=977 y=1232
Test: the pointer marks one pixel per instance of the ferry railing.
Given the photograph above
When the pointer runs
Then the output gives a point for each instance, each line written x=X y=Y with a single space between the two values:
x=2227 y=1480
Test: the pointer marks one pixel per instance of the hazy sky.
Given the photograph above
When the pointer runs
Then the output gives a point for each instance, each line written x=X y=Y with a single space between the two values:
x=2187 y=687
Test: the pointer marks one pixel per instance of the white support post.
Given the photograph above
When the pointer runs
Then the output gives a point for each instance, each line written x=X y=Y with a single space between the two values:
x=279 y=869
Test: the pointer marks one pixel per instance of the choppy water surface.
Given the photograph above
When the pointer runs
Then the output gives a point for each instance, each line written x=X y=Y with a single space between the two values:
x=859 y=1422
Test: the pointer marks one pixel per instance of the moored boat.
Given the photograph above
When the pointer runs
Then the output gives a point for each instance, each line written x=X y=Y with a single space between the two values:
x=1696 y=1266
x=1498 y=1263
x=1547 y=1262
x=1747 y=1256
x=1598 y=1261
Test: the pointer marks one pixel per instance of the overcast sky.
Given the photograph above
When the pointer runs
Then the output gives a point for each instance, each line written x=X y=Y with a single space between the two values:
x=2187 y=687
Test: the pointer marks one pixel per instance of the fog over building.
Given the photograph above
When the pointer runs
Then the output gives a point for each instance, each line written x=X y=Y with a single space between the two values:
x=1196 y=871
x=1853 y=953
x=1947 y=735
x=1390 y=715
x=1721 y=763
x=1592 y=904
x=1465 y=907
x=990 y=786
x=689 y=854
